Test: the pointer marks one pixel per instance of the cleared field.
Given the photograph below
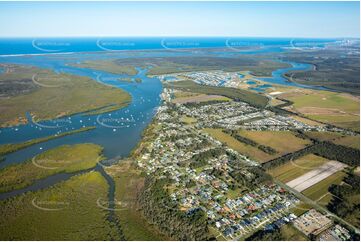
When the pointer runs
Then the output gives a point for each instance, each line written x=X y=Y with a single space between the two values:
x=335 y=108
x=307 y=121
x=301 y=208
x=200 y=98
x=323 y=136
x=66 y=211
x=297 y=168
x=242 y=148
x=349 y=141
x=179 y=94
x=232 y=93
x=55 y=95
x=319 y=190
x=188 y=120
x=316 y=175
x=343 y=120
x=282 y=141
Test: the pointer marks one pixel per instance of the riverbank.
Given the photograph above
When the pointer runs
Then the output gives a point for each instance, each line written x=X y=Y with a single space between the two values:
x=48 y=95
x=9 y=148
x=63 y=159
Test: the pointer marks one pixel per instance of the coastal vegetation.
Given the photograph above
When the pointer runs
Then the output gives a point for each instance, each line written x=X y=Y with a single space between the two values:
x=9 y=148
x=65 y=211
x=128 y=184
x=159 y=209
x=331 y=68
x=62 y=159
x=54 y=95
x=178 y=64
x=108 y=66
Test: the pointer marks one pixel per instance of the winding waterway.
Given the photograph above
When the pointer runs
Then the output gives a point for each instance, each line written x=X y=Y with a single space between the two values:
x=118 y=131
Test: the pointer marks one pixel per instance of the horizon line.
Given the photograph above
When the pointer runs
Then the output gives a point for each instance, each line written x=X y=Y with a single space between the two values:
x=185 y=36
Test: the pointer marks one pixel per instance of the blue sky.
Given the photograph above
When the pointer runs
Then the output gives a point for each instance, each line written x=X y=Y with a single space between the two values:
x=256 y=19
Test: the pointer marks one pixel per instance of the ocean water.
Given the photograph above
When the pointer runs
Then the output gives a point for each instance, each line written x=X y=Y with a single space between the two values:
x=17 y=46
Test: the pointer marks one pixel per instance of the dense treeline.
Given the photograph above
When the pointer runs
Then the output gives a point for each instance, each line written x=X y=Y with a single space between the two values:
x=161 y=211
x=332 y=151
x=201 y=159
x=267 y=149
x=242 y=139
x=342 y=203
x=325 y=149
x=266 y=235
x=259 y=176
x=300 y=134
x=280 y=111
x=264 y=148
x=285 y=104
x=200 y=104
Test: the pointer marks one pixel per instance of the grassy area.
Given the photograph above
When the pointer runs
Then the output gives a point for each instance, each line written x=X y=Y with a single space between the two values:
x=318 y=190
x=179 y=94
x=282 y=141
x=349 y=141
x=339 y=109
x=128 y=183
x=234 y=194
x=301 y=208
x=242 y=148
x=325 y=99
x=343 y=121
x=290 y=233
x=200 y=98
x=61 y=159
x=307 y=121
x=66 y=211
x=232 y=93
x=323 y=136
x=188 y=120
x=108 y=66
x=55 y=95
x=291 y=170
x=9 y=148
x=325 y=199
x=105 y=109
